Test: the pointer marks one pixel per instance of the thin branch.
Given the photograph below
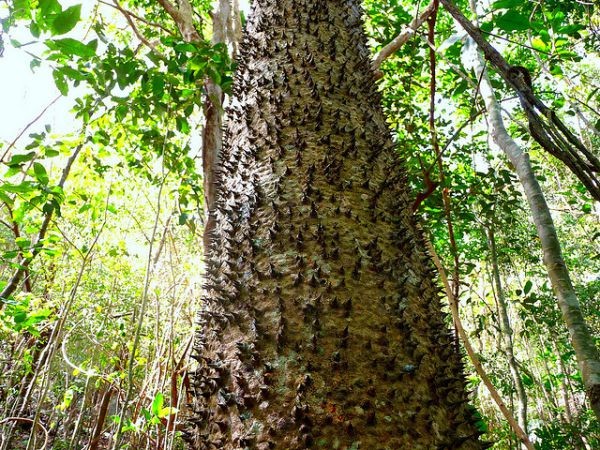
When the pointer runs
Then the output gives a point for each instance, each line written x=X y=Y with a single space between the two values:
x=401 y=39
x=431 y=22
x=38 y=117
x=171 y=9
x=142 y=39
x=473 y=355
x=135 y=16
x=12 y=285
x=544 y=124
x=518 y=44
x=26 y=420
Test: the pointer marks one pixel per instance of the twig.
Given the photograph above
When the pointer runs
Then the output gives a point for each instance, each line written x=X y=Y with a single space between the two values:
x=25 y=419
x=401 y=39
x=471 y=353
x=38 y=117
x=128 y=16
x=141 y=19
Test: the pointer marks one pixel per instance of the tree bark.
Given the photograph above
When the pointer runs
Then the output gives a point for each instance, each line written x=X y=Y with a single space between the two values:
x=544 y=124
x=521 y=434
x=321 y=326
x=583 y=343
x=506 y=331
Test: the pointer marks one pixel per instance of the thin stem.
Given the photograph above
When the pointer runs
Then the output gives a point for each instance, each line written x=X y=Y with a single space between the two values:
x=22 y=132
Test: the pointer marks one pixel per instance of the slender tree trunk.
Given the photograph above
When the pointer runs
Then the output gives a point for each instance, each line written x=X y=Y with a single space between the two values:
x=225 y=30
x=322 y=325
x=506 y=331
x=583 y=343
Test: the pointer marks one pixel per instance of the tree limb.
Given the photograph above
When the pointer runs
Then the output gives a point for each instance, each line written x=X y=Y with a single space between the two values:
x=129 y=20
x=473 y=355
x=14 y=281
x=184 y=19
x=402 y=38
x=544 y=125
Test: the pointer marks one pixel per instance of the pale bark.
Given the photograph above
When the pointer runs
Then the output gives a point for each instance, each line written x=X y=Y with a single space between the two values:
x=544 y=124
x=583 y=342
x=212 y=139
x=394 y=45
x=227 y=29
x=506 y=332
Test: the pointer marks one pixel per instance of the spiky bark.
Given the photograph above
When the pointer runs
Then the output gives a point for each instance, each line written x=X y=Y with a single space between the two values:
x=322 y=325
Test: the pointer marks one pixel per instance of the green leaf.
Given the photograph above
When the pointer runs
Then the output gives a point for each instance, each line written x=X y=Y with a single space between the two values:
x=74 y=74
x=513 y=21
x=157 y=403
x=23 y=242
x=60 y=82
x=5 y=198
x=20 y=317
x=213 y=74
x=557 y=20
x=506 y=4
x=84 y=208
x=538 y=44
x=459 y=89
x=158 y=86
x=40 y=173
x=48 y=208
x=18 y=160
x=182 y=124
x=572 y=30
x=487 y=27
x=66 y=20
x=10 y=254
x=23 y=188
x=49 y=8
x=73 y=47
x=34 y=28
x=527 y=287
x=21 y=9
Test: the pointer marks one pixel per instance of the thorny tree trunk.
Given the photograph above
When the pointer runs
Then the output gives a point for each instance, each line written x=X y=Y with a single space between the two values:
x=322 y=324
x=225 y=31
x=583 y=343
x=506 y=332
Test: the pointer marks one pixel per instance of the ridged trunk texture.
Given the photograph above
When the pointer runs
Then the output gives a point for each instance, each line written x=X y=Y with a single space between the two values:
x=322 y=325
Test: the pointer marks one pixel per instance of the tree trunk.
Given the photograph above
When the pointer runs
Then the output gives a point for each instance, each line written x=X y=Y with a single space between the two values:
x=587 y=354
x=321 y=326
x=506 y=332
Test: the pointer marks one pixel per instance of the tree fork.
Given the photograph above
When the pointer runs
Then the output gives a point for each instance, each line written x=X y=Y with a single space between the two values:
x=321 y=324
